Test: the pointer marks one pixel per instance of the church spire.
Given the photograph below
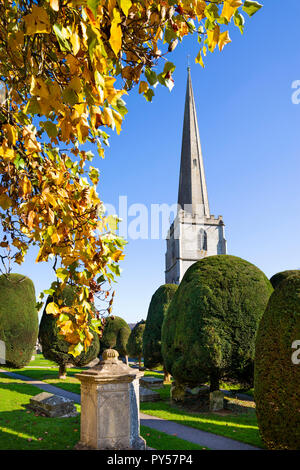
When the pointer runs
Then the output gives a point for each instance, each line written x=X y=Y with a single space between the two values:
x=192 y=194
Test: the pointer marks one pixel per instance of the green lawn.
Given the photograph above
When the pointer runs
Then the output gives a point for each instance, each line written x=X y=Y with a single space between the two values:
x=241 y=427
x=40 y=361
x=21 y=429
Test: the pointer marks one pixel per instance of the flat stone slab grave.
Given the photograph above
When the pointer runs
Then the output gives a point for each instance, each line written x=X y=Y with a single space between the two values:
x=151 y=382
x=148 y=395
x=53 y=406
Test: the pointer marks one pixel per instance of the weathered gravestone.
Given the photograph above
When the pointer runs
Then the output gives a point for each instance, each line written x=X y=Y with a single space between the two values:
x=110 y=406
x=151 y=382
x=53 y=406
x=147 y=395
x=216 y=400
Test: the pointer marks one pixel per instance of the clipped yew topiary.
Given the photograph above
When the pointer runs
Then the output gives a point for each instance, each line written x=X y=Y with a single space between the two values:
x=55 y=347
x=158 y=307
x=18 y=319
x=279 y=277
x=115 y=335
x=135 y=341
x=277 y=368
x=209 y=330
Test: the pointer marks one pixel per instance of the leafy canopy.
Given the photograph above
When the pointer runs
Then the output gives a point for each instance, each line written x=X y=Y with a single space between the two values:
x=65 y=66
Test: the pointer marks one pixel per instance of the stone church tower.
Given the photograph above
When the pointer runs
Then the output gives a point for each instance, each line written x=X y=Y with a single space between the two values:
x=195 y=233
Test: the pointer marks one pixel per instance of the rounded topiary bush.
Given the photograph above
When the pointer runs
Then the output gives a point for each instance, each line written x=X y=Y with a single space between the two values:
x=158 y=307
x=135 y=341
x=55 y=347
x=209 y=330
x=282 y=276
x=115 y=335
x=18 y=319
x=277 y=368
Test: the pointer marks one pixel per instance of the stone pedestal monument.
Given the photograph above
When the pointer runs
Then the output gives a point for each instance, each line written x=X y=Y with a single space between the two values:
x=110 y=406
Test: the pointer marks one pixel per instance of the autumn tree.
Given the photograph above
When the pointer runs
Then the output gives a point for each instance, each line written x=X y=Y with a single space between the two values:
x=65 y=66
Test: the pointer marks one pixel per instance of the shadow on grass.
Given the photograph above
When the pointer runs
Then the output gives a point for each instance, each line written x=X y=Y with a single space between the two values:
x=20 y=429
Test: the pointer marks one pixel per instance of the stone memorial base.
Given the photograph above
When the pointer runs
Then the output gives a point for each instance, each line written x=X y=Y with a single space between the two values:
x=53 y=406
x=110 y=406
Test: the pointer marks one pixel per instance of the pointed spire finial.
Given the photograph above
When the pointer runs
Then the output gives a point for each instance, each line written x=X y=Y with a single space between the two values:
x=188 y=62
x=192 y=193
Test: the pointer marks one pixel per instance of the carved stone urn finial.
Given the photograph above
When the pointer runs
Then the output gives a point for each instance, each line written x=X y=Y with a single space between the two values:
x=110 y=355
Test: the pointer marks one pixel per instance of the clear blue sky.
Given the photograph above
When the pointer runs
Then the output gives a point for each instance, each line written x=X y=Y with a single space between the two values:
x=250 y=135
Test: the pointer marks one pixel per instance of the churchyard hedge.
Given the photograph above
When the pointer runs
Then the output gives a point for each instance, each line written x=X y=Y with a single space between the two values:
x=135 y=341
x=55 y=347
x=158 y=307
x=209 y=330
x=18 y=319
x=277 y=368
x=115 y=335
x=279 y=277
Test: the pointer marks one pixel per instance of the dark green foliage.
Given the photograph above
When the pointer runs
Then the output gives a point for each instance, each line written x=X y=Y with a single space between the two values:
x=135 y=340
x=18 y=319
x=55 y=347
x=277 y=378
x=152 y=335
x=279 y=277
x=210 y=326
x=115 y=335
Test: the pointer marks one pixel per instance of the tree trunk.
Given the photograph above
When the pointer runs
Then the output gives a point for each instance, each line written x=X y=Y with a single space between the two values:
x=167 y=376
x=62 y=373
x=214 y=382
x=126 y=360
x=140 y=362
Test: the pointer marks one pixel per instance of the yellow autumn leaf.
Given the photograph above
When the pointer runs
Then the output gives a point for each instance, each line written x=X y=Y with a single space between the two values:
x=223 y=40
x=26 y=186
x=199 y=59
x=229 y=8
x=117 y=255
x=200 y=8
x=5 y=201
x=108 y=118
x=11 y=133
x=213 y=38
x=75 y=41
x=143 y=87
x=38 y=87
x=54 y=4
x=235 y=3
x=115 y=39
x=37 y=21
x=118 y=120
x=125 y=6
x=52 y=308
